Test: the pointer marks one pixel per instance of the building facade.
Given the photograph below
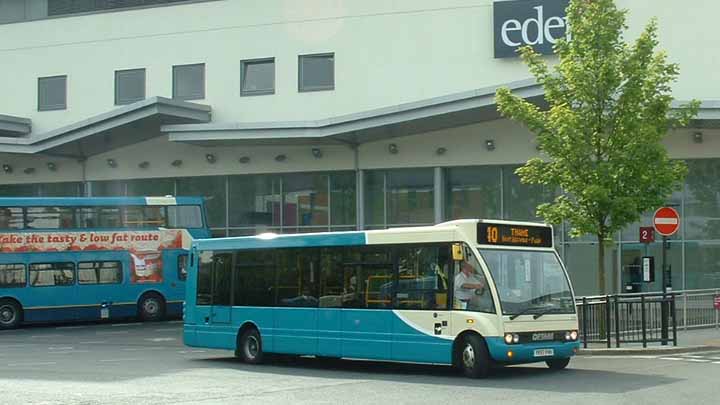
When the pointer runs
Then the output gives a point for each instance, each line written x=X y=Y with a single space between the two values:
x=317 y=115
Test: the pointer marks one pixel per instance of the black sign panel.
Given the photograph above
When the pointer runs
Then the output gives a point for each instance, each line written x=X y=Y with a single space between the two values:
x=514 y=235
x=539 y=23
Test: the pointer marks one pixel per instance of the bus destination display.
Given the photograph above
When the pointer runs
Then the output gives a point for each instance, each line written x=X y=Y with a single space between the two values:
x=514 y=235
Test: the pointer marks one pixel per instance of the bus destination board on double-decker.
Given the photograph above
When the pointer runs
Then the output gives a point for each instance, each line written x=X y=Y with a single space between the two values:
x=514 y=235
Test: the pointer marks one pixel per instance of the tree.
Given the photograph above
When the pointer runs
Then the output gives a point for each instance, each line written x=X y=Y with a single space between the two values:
x=609 y=108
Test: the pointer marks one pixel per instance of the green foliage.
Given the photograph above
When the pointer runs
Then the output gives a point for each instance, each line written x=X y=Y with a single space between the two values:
x=609 y=108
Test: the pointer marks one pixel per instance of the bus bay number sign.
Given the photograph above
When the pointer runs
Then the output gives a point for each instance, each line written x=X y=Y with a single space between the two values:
x=514 y=235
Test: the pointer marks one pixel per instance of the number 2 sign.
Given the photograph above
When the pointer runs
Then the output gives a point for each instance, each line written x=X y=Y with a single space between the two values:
x=647 y=234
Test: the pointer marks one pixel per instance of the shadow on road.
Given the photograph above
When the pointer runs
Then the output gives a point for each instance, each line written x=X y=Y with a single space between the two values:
x=534 y=378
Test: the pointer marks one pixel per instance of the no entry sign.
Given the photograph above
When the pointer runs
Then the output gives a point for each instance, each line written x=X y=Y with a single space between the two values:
x=666 y=221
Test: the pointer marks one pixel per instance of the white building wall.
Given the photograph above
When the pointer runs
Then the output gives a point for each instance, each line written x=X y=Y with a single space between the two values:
x=387 y=53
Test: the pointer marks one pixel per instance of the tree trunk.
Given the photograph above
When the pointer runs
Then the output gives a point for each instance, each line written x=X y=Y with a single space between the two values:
x=601 y=263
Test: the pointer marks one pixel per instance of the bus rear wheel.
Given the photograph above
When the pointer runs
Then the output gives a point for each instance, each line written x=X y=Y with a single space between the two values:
x=473 y=357
x=250 y=350
x=10 y=314
x=151 y=307
x=557 y=364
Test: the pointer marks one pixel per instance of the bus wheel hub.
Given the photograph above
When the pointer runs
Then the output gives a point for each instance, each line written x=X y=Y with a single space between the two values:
x=468 y=356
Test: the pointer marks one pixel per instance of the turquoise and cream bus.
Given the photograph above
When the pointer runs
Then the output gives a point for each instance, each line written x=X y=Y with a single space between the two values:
x=471 y=293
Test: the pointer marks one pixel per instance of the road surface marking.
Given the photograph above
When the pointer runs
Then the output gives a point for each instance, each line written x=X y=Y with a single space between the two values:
x=60 y=348
x=70 y=327
x=168 y=339
x=672 y=358
x=116 y=360
x=716 y=362
x=71 y=352
x=126 y=324
x=167 y=330
x=699 y=360
x=44 y=336
x=140 y=349
x=117 y=332
x=47 y=363
x=191 y=351
x=93 y=342
x=694 y=357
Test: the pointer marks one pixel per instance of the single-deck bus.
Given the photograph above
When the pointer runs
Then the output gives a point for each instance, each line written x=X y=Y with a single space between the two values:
x=470 y=293
x=65 y=259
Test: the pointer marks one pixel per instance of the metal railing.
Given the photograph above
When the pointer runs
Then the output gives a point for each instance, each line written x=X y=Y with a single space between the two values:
x=695 y=309
x=628 y=318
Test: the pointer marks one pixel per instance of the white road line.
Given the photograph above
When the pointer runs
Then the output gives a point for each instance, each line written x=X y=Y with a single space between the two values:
x=117 y=332
x=60 y=348
x=117 y=360
x=191 y=351
x=141 y=349
x=643 y=357
x=716 y=362
x=714 y=358
x=168 y=339
x=47 y=363
x=70 y=327
x=671 y=358
x=71 y=352
x=694 y=357
x=698 y=360
x=125 y=324
x=93 y=342
x=167 y=330
x=44 y=336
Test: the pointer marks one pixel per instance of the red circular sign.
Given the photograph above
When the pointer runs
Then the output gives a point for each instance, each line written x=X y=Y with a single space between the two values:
x=666 y=221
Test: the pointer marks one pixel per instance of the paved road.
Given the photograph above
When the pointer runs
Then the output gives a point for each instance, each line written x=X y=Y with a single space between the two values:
x=147 y=364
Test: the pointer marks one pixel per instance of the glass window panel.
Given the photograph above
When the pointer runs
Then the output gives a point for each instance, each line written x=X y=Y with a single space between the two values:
x=317 y=72
x=144 y=217
x=112 y=188
x=52 y=274
x=305 y=200
x=100 y=273
x=222 y=279
x=50 y=217
x=11 y=218
x=631 y=270
x=702 y=200
x=472 y=192
x=255 y=201
x=150 y=187
x=423 y=277
x=12 y=275
x=255 y=278
x=184 y=216
x=581 y=263
x=702 y=265
x=258 y=77
x=189 y=82
x=410 y=196
x=99 y=217
x=521 y=200
x=129 y=86
x=52 y=93
x=298 y=272
x=19 y=190
x=374 y=198
x=213 y=189
x=342 y=198
x=61 y=189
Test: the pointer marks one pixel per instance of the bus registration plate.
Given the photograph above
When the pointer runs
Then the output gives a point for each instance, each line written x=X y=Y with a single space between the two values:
x=544 y=352
x=104 y=313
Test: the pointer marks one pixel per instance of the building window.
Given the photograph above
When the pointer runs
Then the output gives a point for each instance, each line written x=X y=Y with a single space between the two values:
x=257 y=77
x=399 y=197
x=52 y=93
x=129 y=86
x=316 y=72
x=189 y=82
x=472 y=192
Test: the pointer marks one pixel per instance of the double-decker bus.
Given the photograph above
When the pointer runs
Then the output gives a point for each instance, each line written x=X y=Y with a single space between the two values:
x=469 y=293
x=66 y=259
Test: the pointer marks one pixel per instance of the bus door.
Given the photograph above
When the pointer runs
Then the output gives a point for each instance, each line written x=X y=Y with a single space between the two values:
x=295 y=320
x=421 y=325
x=221 y=289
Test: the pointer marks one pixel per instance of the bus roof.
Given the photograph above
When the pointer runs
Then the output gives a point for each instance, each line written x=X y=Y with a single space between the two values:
x=95 y=201
x=441 y=232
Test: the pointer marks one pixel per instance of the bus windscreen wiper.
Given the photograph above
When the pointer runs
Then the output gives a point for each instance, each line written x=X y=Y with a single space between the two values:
x=523 y=312
x=546 y=311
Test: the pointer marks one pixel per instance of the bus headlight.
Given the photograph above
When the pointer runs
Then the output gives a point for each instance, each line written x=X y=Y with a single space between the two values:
x=571 y=335
x=511 y=338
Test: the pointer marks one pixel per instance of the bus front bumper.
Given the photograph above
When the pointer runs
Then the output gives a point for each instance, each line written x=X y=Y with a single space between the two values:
x=502 y=352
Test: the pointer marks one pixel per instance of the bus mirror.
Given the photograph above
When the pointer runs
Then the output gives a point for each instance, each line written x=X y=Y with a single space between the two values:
x=457 y=252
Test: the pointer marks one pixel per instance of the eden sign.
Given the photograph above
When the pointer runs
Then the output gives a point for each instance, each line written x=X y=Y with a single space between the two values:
x=538 y=23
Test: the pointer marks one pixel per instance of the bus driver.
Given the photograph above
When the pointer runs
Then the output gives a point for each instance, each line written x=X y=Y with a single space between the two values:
x=468 y=285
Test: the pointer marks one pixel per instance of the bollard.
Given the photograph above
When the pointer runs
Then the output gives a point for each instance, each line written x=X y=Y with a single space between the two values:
x=608 y=326
x=584 y=324
x=617 y=322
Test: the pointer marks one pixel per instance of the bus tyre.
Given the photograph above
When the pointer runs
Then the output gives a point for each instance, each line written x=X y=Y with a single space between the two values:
x=250 y=349
x=558 y=364
x=151 y=307
x=473 y=357
x=10 y=314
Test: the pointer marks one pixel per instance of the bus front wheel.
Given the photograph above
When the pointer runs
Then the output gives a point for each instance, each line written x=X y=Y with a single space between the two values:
x=557 y=364
x=251 y=347
x=10 y=314
x=151 y=307
x=473 y=357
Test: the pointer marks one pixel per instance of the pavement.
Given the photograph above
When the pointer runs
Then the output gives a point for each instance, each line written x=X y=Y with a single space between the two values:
x=689 y=341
